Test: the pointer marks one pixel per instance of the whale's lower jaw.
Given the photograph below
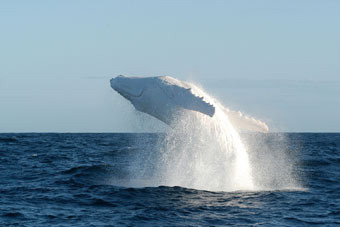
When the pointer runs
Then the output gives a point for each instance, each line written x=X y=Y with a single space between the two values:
x=167 y=114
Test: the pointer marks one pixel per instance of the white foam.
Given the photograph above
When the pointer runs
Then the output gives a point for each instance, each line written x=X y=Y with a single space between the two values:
x=205 y=153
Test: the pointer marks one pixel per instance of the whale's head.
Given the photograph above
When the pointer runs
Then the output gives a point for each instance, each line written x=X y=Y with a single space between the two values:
x=129 y=87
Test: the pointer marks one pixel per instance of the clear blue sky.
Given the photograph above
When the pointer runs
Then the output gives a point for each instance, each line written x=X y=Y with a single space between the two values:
x=276 y=60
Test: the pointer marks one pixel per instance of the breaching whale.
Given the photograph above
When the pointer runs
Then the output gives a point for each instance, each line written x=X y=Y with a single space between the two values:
x=161 y=97
x=165 y=97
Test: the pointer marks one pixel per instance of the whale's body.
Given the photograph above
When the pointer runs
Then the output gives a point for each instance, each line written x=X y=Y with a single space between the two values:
x=165 y=98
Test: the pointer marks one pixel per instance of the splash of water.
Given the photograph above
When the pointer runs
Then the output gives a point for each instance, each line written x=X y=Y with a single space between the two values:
x=205 y=153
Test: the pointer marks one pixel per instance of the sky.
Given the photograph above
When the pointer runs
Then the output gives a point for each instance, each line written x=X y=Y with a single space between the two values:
x=278 y=61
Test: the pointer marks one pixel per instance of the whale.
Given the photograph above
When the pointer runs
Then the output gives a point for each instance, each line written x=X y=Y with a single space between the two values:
x=162 y=97
x=166 y=98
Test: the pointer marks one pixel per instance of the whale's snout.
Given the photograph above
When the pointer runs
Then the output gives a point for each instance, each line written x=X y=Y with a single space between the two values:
x=126 y=86
x=113 y=83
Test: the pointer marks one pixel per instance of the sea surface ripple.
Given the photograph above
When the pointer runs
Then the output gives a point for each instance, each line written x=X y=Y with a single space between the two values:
x=78 y=180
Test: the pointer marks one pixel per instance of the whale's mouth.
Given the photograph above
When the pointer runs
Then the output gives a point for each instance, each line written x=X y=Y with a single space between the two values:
x=126 y=90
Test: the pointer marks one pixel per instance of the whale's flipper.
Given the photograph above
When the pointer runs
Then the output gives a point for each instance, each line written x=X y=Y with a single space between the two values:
x=183 y=96
x=187 y=99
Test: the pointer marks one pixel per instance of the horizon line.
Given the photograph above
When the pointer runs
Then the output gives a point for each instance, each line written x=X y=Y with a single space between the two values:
x=127 y=132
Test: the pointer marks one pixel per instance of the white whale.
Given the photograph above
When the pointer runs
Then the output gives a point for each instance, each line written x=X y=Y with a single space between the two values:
x=165 y=97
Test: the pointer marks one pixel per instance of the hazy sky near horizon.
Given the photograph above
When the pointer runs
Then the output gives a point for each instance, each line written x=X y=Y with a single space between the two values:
x=276 y=60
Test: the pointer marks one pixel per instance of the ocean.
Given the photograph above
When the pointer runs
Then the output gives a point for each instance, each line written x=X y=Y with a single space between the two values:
x=98 y=179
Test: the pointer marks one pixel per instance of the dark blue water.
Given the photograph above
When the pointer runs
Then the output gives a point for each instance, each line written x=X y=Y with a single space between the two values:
x=76 y=180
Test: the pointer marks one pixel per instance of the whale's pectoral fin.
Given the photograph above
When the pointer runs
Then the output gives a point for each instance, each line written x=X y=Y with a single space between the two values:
x=185 y=98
